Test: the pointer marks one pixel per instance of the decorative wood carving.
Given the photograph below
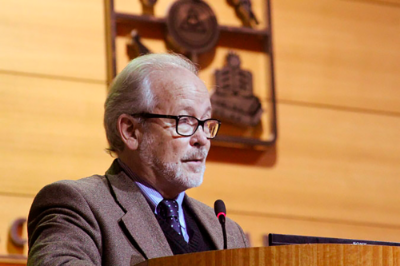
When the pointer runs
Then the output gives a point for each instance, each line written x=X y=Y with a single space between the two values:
x=135 y=47
x=191 y=28
x=233 y=99
x=245 y=12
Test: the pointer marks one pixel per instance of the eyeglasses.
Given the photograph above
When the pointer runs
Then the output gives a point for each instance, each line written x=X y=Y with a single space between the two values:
x=187 y=125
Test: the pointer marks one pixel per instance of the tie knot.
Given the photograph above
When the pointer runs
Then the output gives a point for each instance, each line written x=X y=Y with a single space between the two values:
x=168 y=209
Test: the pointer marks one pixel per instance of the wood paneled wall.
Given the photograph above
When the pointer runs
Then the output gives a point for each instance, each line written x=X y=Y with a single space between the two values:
x=52 y=90
x=334 y=171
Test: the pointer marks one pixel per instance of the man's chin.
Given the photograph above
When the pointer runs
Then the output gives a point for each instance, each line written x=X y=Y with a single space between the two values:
x=193 y=180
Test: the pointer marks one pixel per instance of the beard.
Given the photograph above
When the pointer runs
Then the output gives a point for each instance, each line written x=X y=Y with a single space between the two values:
x=173 y=172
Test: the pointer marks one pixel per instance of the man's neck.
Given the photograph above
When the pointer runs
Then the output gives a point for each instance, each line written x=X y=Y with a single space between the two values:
x=142 y=178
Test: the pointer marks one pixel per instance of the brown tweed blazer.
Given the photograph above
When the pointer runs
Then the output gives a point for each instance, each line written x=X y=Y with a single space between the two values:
x=105 y=220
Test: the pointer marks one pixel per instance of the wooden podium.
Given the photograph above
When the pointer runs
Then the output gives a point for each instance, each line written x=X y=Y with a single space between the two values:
x=293 y=255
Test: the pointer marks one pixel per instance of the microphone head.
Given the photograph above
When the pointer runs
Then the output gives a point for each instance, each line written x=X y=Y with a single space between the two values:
x=219 y=208
x=220 y=211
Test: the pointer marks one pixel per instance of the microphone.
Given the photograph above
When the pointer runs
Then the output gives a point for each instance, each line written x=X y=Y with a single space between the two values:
x=220 y=212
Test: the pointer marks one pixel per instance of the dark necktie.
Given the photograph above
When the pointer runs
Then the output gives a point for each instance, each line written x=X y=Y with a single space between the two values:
x=169 y=211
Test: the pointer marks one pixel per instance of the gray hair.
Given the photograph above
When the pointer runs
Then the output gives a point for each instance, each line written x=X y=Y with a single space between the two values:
x=130 y=92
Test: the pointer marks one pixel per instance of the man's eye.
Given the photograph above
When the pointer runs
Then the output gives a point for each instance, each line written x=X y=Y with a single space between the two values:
x=185 y=120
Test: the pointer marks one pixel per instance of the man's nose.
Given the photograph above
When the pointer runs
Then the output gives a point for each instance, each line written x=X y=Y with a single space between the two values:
x=199 y=138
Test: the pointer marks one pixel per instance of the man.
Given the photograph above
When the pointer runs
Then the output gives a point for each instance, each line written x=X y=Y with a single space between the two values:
x=158 y=123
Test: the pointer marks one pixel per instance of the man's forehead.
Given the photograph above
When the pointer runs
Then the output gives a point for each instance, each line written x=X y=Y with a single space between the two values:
x=192 y=110
x=186 y=84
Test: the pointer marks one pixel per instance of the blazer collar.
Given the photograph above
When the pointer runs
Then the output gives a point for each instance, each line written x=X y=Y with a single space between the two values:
x=208 y=219
x=139 y=220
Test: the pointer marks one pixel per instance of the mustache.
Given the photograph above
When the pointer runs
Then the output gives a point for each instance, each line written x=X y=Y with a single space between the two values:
x=196 y=155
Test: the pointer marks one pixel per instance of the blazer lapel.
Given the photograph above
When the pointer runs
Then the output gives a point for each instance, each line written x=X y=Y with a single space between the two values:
x=208 y=219
x=139 y=220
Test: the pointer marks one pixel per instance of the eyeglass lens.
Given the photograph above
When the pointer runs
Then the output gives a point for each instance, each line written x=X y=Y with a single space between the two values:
x=188 y=125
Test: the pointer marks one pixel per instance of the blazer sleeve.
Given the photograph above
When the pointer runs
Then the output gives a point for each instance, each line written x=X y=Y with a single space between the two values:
x=245 y=240
x=62 y=229
x=236 y=237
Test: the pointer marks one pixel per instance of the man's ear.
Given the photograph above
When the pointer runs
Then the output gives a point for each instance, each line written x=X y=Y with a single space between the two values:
x=128 y=130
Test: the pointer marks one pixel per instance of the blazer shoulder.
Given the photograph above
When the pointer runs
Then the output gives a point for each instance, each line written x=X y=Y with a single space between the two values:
x=72 y=192
x=86 y=185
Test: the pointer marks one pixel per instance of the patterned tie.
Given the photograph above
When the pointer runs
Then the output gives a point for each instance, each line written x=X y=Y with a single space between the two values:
x=169 y=211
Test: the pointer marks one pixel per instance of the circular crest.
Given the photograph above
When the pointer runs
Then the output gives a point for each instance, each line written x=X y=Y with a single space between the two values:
x=192 y=26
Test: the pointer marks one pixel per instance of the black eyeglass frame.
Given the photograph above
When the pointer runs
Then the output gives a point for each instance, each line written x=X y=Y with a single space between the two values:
x=177 y=118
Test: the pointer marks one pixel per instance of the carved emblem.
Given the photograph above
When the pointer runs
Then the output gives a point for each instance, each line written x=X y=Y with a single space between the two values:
x=149 y=3
x=135 y=47
x=233 y=100
x=148 y=6
x=244 y=12
x=192 y=27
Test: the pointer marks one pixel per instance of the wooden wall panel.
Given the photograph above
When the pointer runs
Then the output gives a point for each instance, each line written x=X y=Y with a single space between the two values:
x=53 y=38
x=384 y=2
x=330 y=164
x=338 y=53
x=50 y=130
